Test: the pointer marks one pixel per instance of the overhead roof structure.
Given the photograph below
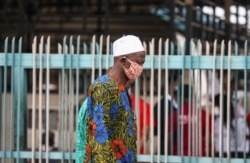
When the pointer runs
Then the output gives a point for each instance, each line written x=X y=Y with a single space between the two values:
x=146 y=18
x=222 y=2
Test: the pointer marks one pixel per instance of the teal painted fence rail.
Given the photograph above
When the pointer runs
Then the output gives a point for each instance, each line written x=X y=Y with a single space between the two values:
x=28 y=95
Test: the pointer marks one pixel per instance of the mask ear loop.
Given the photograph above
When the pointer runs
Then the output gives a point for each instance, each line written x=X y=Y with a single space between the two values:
x=127 y=59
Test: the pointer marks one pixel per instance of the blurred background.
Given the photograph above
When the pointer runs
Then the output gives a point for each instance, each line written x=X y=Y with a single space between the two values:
x=173 y=19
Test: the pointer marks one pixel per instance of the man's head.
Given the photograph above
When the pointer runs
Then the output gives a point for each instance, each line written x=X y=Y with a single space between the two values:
x=129 y=56
x=127 y=45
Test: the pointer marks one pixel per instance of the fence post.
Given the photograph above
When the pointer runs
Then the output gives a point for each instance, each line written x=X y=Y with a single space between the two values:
x=20 y=104
x=20 y=110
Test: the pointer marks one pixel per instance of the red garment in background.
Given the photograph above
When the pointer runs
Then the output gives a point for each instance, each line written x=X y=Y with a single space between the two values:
x=248 y=118
x=184 y=119
x=141 y=115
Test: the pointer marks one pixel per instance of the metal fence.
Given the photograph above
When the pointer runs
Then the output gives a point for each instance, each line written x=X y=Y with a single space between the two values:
x=42 y=93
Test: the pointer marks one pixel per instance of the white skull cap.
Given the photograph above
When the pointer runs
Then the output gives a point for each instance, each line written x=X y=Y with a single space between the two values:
x=127 y=45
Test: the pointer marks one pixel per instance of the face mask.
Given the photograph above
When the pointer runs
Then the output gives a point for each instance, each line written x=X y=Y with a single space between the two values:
x=134 y=71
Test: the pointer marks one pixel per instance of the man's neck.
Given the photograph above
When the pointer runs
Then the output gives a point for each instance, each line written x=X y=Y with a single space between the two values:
x=120 y=77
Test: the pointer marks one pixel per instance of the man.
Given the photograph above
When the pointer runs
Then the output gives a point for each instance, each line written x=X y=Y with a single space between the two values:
x=110 y=131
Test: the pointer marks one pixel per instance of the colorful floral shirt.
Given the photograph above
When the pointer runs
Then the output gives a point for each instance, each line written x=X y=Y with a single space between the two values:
x=110 y=123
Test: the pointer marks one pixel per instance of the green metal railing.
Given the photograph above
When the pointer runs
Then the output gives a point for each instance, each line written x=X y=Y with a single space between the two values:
x=25 y=79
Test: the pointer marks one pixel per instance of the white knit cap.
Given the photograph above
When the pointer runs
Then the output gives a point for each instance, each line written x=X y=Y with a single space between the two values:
x=127 y=45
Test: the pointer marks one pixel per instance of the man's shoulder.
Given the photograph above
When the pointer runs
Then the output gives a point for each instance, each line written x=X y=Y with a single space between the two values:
x=100 y=79
x=103 y=82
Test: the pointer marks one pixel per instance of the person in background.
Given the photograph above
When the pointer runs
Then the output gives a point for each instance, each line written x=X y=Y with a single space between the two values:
x=110 y=130
x=239 y=144
x=183 y=119
x=144 y=119
x=172 y=105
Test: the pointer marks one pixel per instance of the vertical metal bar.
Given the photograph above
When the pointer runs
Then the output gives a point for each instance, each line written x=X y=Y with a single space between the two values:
x=145 y=113
x=40 y=127
x=212 y=95
x=12 y=106
x=107 y=51
x=193 y=116
x=23 y=115
x=71 y=52
x=34 y=50
x=166 y=101
x=100 y=55
x=207 y=107
x=137 y=110
x=85 y=75
x=221 y=102
x=190 y=118
x=182 y=99
x=197 y=96
x=172 y=51
x=198 y=109
x=229 y=100
x=18 y=91
x=180 y=108
x=194 y=138
x=17 y=111
x=145 y=129
x=93 y=58
x=189 y=99
x=245 y=93
x=151 y=52
x=159 y=141
x=63 y=99
x=59 y=46
x=77 y=82
x=4 y=98
x=235 y=104
x=47 y=97
x=66 y=102
x=60 y=100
